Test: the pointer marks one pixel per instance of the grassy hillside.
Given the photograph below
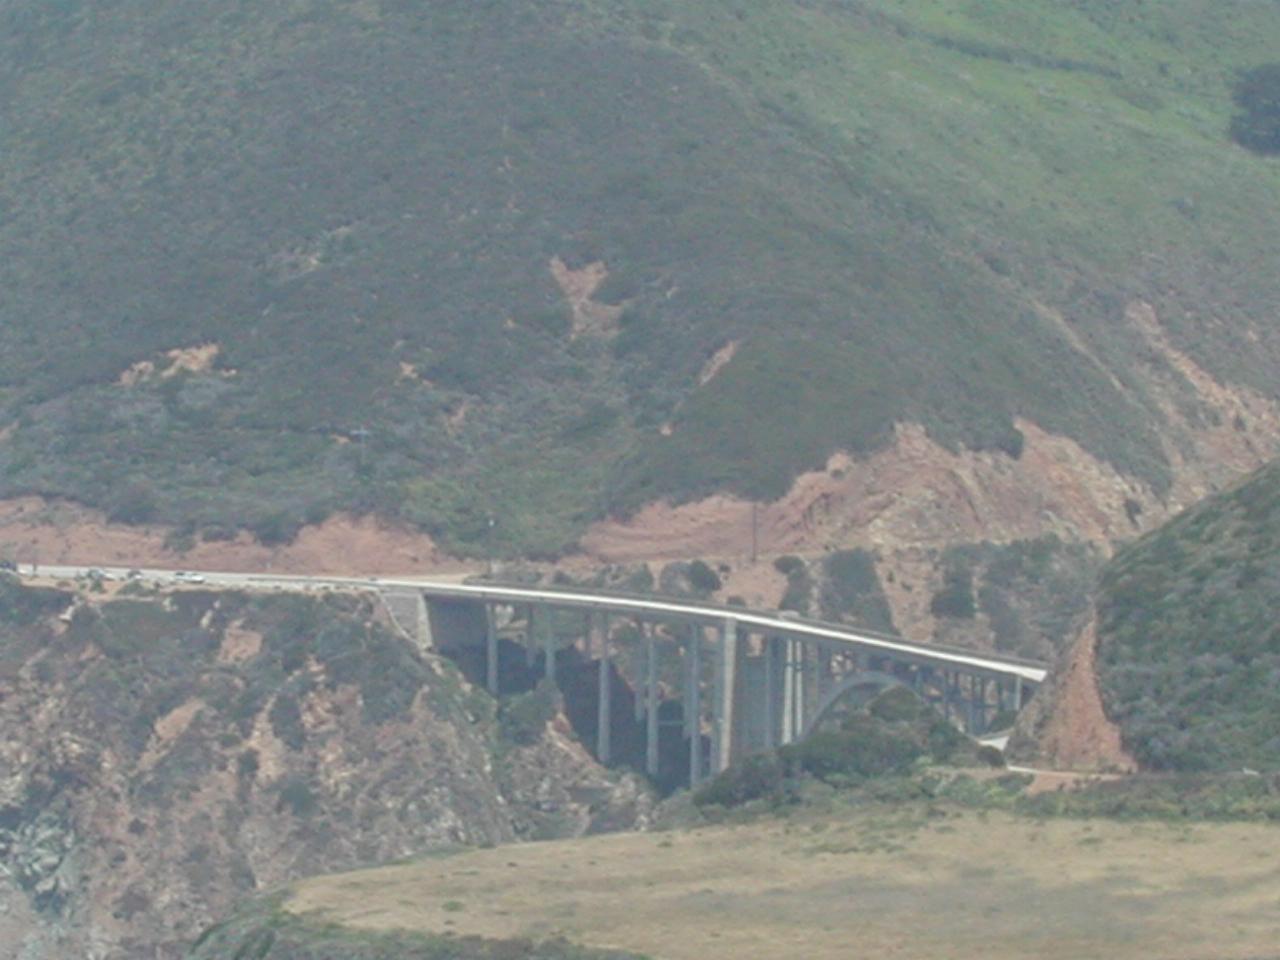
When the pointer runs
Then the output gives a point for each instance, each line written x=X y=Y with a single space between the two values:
x=887 y=205
x=1189 y=651
x=905 y=882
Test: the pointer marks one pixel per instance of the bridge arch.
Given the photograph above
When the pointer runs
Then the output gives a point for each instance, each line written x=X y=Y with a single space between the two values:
x=876 y=679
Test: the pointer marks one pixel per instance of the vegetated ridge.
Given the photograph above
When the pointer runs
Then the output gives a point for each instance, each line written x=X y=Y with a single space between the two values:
x=1184 y=640
x=499 y=270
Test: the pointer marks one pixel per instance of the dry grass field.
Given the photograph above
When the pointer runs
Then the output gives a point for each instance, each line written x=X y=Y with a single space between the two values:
x=898 y=884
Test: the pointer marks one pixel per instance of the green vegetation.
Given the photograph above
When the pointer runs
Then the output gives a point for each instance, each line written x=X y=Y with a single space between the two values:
x=1189 y=650
x=894 y=734
x=851 y=591
x=24 y=606
x=524 y=717
x=1257 y=95
x=899 y=211
x=262 y=931
x=799 y=591
x=955 y=598
x=1031 y=592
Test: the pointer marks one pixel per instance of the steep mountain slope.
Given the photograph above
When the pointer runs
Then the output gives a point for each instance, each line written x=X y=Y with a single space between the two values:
x=165 y=756
x=459 y=260
x=1184 y=648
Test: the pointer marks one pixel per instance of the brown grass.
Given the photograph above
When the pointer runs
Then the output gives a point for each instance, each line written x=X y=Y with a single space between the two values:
x=877 y=885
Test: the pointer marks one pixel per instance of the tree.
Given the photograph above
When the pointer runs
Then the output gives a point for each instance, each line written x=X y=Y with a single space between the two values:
x=1256 y=125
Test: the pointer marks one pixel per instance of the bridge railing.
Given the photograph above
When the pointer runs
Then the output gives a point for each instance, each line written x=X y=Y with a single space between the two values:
x=722 y=611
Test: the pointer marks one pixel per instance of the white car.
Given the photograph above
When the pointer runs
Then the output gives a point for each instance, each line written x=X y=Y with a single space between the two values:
x=182 y=576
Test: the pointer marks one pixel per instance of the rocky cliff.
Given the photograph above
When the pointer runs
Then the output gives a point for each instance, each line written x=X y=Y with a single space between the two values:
x=166 y=755
x=1176 y=668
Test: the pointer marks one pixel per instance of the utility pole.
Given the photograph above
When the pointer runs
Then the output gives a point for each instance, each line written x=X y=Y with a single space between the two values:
x=489 y=551
x=755 y=530
x=361 y=433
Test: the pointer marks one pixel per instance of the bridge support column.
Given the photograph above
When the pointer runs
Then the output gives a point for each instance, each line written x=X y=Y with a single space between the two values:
x=982 y=705
x=694 y=716
x=530 y=637
x=974 y=718
x=726 y=683
x=423 y=625
x=490 y=651
x=770 y=694
x=651 y=705
x=549 y=650
x=1017 y=694
x=807 y=699
x=788 y=690
x=604 y=707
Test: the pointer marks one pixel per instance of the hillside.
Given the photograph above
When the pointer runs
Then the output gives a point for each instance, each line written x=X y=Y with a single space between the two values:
x=165 y=756
x=1184 y=638
x=497 y=271
x=903 y=881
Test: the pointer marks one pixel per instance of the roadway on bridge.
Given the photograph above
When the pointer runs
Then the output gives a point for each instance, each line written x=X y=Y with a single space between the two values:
x=770 y=622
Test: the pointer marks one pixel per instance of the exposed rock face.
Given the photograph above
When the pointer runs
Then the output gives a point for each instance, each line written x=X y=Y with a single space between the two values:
x=914 y=500
x=163 y=758
x=1066 y=727
x=555 y=789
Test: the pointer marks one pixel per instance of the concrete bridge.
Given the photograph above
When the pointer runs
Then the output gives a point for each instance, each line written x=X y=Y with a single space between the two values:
x=713 y=683
x=739 y=680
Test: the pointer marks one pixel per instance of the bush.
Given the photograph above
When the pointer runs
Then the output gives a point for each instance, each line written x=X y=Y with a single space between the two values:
x=135 y=502
x=297 y=796
x=787 y=565
x=286 y=722
x=702 y=578
x=991 y=756
x=897 y=705
x=799 y=584
x=1256 y=125
x=955 y=599
x=758 y=777
x=523 y=718
x=276 y=528
x=862 y=749
x=944 y=741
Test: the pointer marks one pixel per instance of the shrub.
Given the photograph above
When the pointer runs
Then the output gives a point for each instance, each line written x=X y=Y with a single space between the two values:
x=523 y=718
x=897 y=705
x=758 y=777
x=286 y=722
x=991 y=756
x=863 y=748
x=1256 y=125
x=276 y=528
x=787 y=565
x=297 y=796
x=955 y=599
x=702 y=578
x=135 y=502
x=247 y=765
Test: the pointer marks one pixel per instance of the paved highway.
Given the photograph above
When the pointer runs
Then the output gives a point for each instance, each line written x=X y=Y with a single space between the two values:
x=770 y=622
